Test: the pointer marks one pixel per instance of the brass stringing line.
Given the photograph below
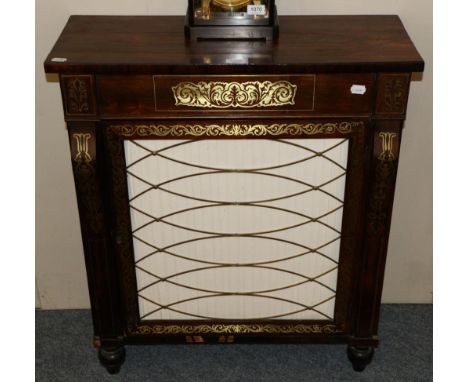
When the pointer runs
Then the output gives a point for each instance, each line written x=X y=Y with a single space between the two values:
x=154 y=219
x=318 y=188
x=236 y=203
x=158 y=186
x=168 y=279
x=164 y=250
x=168 y=307
x=290 y=143
x=251 y=293
x=316 y=154
x=194 y=270
x=246 y=204
x=171 y=305
x=306 y=307
x=161 y=279
x=255 y=318
x=236 y=234
x=156 y=152
x=161 y=219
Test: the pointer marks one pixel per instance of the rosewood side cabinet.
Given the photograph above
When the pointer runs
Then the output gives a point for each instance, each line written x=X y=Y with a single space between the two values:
x=235 y=191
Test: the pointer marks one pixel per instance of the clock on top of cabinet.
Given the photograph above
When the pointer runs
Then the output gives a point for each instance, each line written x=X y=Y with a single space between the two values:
x=235 y=191
x=232 y=19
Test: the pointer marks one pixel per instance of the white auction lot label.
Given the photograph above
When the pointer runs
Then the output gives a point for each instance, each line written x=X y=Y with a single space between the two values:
x=256 y=10
x=358 y=89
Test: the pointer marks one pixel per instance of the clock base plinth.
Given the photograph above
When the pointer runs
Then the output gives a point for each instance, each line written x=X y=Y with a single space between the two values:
x=232 y=32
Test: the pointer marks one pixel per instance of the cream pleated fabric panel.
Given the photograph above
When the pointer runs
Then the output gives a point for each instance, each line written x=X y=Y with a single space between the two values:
x=236 y=229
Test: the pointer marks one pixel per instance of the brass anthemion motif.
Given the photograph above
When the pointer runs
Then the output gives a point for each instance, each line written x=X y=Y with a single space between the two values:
x=86 y=181
x=224 y=95
x=233 y=130
x=239 y=329
x=82 y=150
x=387 y=153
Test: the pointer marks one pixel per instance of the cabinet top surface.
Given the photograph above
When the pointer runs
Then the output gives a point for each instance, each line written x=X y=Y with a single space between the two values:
x=156 y=44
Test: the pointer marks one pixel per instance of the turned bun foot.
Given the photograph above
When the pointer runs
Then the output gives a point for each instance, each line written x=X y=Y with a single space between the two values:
x=360 y=356
x=112 y=358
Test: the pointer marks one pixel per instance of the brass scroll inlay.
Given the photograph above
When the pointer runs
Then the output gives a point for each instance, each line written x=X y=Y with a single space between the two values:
x=239 y=329
x=82 y=147
x=235 y=130
x=387 y=153
x=222 y=95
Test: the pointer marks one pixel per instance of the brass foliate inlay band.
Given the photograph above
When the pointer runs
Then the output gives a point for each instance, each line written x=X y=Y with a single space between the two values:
x=235 y=130
x=239 y=329
x=222 y=95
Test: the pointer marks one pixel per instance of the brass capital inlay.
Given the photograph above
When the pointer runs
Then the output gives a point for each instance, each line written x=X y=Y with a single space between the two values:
x=238 y=329
x=233 y=130
x=82 y=147
x=387 y=153
x=222 y=95
x=385 y=174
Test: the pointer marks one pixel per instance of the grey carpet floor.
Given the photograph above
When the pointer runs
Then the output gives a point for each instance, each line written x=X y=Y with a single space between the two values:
x=64 y=353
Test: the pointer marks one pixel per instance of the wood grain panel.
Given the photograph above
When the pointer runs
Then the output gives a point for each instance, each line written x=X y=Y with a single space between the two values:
x=307 y=44
x=144 y=95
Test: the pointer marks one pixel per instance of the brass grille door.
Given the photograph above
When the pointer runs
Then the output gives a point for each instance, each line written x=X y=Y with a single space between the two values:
x=236 y=229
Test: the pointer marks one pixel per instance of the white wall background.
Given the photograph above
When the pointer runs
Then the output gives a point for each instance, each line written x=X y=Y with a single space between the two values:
x=60 y=271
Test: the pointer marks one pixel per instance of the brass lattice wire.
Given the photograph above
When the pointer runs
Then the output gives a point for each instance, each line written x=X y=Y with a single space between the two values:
x=254 y=235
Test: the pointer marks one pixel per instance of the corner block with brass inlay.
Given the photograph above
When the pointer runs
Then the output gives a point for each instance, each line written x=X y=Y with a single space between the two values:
x=78 y=95
x=392 y=94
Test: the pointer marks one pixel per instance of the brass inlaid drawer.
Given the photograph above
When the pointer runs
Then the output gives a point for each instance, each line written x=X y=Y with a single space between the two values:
x=142 y=95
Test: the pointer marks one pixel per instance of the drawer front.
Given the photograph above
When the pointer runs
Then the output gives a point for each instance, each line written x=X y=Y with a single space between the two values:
x=136 y=96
